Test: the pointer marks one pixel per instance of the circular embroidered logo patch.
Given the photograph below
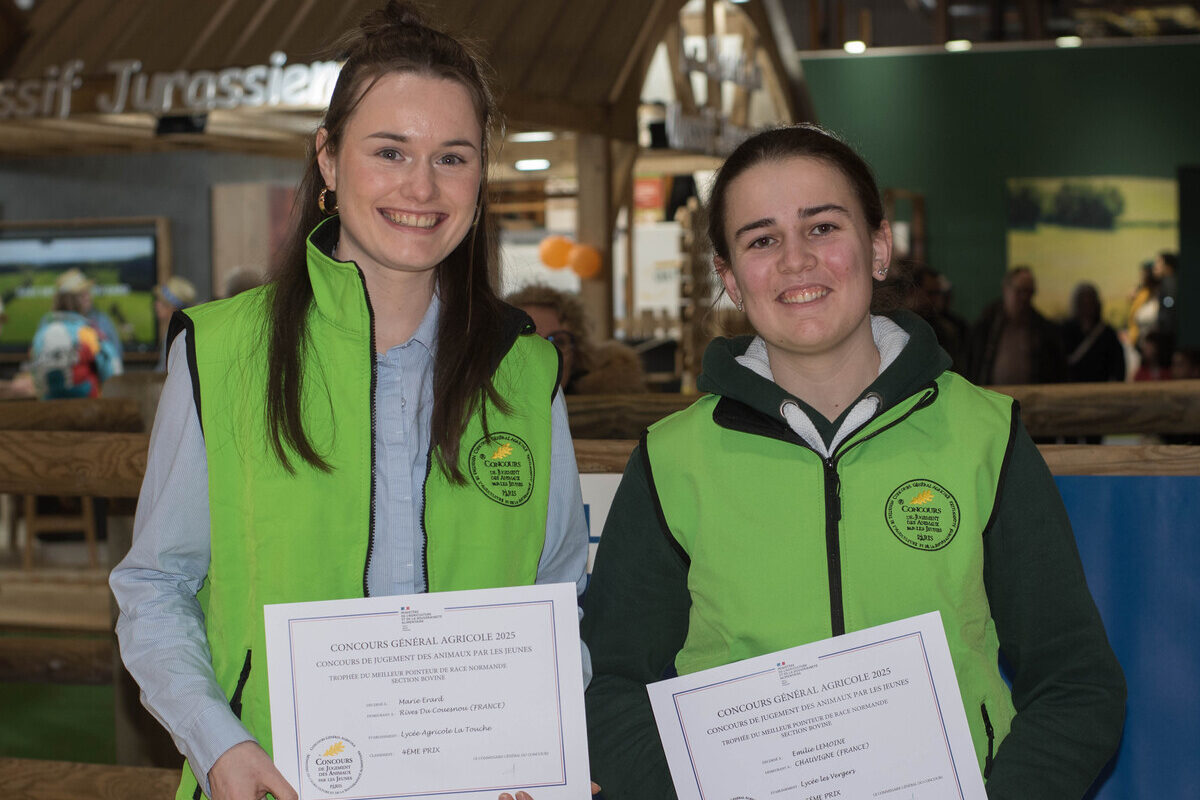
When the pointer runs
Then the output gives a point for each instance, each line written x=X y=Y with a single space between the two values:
x=502 y=467
x=333 y=764
x=922 y=514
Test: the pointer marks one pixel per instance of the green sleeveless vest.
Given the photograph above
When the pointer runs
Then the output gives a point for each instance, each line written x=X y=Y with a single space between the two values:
x=282 y=538
x=787 y=548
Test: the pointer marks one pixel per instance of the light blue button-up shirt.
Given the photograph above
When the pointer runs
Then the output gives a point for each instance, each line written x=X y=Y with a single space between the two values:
x=161 y=625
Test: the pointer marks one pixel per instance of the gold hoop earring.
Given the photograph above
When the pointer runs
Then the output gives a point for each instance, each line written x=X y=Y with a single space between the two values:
x=321 y=201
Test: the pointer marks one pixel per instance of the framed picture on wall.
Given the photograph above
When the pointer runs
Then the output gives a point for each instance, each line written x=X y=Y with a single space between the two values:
x=124 y=258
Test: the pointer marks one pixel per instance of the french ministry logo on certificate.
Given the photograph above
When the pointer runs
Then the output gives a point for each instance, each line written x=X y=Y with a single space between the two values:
x=447 y=695
x=873 y=714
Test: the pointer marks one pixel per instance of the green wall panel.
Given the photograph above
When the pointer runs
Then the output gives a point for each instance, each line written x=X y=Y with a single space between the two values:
x=956 y=126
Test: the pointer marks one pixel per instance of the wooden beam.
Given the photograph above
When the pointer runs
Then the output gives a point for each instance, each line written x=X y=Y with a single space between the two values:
x=536 y=113
x=595 y=226
x=48 y=599
x=681 y=82
x=941 y=22
x=56 y=659
x=37 y=779
x=249 y=32
x=202 y=38
x=602 y=455
x=712 y=94
x=624 y=157
x=771 y=20
x=117 y=415
x=643 y=45
x=609 y=456
x=1100 y=459
x=1097 y=409
x=14 y=30
x=1063 y=409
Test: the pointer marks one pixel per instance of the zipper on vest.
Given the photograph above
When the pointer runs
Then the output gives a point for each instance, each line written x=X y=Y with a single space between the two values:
x=424 y=511
x=235 y=702
x=991 y=736
x=833 y=547
x=833 y=516
x=374 y=378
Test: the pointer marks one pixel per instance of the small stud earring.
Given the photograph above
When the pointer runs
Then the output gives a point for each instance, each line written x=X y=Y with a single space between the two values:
x=740 y=306
x=882 y=272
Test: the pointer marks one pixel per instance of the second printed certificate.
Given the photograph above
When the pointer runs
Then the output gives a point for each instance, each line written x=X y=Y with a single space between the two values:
x=873 y=714
x=453 y=694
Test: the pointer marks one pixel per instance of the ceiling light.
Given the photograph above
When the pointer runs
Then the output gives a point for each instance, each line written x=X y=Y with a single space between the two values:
x=855 y=47
x=958 y=45
x=1068 y=41
x=532 y=136
x=532 y=164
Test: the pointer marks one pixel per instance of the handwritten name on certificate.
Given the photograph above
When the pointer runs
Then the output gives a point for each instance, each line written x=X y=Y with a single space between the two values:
x=452 y=694
x=872 y=714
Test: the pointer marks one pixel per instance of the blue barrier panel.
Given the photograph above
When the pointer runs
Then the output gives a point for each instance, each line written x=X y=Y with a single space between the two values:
x=1139 y=539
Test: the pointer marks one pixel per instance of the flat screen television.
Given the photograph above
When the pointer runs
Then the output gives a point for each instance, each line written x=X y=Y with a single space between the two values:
x=125 y=258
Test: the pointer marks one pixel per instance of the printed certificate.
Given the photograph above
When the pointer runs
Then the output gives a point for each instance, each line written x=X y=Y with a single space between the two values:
x=452 y=694
x=872 y=714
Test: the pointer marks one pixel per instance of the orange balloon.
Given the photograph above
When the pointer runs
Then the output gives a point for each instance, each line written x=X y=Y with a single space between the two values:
x=554 y=250
x=584 y=260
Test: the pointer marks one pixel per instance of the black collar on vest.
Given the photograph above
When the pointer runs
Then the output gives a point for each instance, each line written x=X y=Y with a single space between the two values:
x=735 y=415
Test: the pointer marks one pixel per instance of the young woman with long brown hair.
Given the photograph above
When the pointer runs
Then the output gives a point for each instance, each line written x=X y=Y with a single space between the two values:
x=337 y=415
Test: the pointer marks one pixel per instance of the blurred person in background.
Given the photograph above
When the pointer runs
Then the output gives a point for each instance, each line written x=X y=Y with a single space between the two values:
x=1143 y=305
x=929 y=299
x=70 y=358
x=1094 y=352
x=1157 y=350
x=1185 y=364
x=1012 y=343
x=1166 y=271
x=73 y=292
x=609 y=367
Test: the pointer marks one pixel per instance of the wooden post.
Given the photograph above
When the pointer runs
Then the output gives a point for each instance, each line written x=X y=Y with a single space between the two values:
x=712 y=97
x=595 y=225
x=941 y=22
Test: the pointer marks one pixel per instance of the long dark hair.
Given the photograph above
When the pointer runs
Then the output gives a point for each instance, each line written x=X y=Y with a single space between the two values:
x=393 y=39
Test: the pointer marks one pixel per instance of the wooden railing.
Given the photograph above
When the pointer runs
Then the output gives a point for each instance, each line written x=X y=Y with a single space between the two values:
x=121 y=415
x=610 y=455
x=112 y=465
x=1060 y=409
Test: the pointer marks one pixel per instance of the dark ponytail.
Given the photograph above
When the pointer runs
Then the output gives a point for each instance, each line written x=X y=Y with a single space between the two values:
x=393 y=39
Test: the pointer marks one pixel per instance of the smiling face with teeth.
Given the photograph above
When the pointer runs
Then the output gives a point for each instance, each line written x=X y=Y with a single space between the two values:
x=802 y=258
x=407 y=173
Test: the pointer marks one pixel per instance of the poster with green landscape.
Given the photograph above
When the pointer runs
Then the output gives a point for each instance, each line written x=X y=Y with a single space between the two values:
x=1095 y=229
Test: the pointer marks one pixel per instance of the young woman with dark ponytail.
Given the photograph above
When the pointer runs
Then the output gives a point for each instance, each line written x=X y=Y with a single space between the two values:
x=334 y=413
